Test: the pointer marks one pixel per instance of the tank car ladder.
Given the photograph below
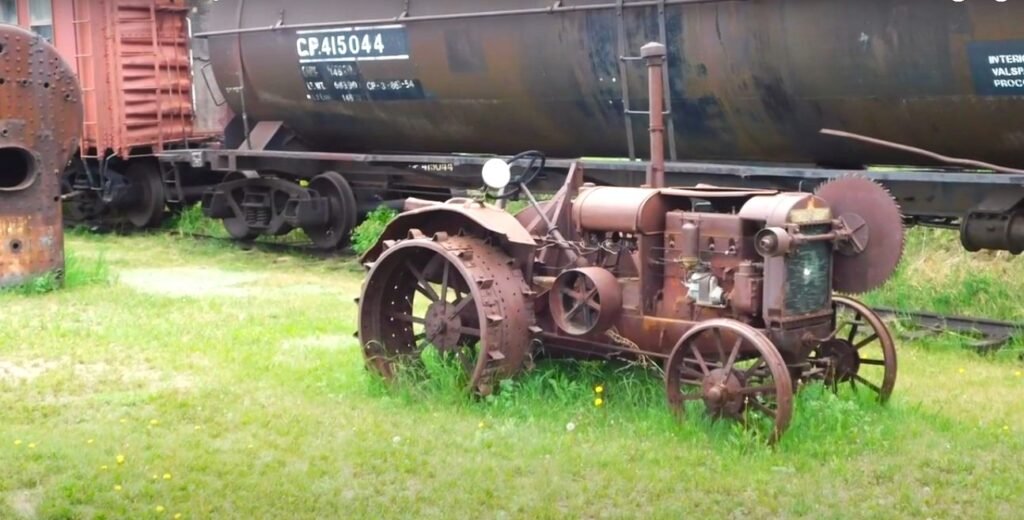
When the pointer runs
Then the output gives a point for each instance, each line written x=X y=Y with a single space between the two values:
x=624 y=60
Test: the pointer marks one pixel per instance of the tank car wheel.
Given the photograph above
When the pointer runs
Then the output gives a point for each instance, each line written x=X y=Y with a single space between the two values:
x=147 y=208
x=458 y=297
x=862 y=351
x=342 y=218
x=736 y=371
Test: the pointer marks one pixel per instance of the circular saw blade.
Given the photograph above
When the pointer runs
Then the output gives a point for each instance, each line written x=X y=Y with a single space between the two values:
x=871 y=206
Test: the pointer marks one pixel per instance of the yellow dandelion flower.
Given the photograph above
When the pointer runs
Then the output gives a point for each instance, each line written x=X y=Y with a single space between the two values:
x=155 y=476
x=120 y=459
x=962 y=370
x=31 y=445
x=251 y=446
x=104 y=467
x=154 y=422
x=177 y=515
x=159 y=509
x=123 y=421
x=117 y=487
x=90 y=441
x=481 y=425
x=17 y=442
x=599 y=389
x=167 y=476
x=197 y=428
x=1006 y=428
x=1018 y=373
x=598 y=402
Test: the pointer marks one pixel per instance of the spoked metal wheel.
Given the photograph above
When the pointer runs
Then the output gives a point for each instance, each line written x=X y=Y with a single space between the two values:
x=342 y=216
x=861 y=353
x=457 y=296
x=736 y=372
x=146 y=208
x=585 y=300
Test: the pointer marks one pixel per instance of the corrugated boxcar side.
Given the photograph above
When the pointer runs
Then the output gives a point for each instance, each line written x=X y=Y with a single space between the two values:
x=133 y=62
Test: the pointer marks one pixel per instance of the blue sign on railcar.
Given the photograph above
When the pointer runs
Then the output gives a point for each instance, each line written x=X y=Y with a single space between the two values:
x=997 y=67
x=350 y=44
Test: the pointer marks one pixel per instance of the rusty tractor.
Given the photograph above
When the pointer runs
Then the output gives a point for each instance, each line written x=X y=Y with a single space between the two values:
x=40 y=126
x=731 y=291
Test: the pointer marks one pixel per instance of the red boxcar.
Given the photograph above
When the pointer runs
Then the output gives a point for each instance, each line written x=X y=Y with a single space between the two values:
x=133 y=60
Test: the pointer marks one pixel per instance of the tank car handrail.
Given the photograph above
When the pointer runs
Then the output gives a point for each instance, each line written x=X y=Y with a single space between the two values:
x=554 y=8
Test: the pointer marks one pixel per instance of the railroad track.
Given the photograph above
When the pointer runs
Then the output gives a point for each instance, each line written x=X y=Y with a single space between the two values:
x=987 y=335
x=303 y=248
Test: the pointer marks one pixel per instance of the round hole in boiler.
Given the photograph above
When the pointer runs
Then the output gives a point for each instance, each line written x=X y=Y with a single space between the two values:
x=16 y=246
x=18 y=168
x=46 y=85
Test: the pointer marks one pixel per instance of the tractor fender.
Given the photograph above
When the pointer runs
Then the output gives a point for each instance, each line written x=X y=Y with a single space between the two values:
x=459 y=216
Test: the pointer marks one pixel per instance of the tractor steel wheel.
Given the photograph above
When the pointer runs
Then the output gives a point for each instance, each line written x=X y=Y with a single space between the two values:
x=736 y=372
x=456 y=297
x=862 y=353
x=336 y=233
x=146 y=209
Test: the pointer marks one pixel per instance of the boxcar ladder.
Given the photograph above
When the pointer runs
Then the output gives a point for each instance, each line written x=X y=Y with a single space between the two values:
x=625 y=59
x=83 y=61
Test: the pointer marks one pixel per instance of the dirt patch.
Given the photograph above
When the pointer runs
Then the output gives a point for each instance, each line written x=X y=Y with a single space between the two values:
x=16 y=373
x=196 y=282
x=25 y=502
x=92 y=374
x=325 y=342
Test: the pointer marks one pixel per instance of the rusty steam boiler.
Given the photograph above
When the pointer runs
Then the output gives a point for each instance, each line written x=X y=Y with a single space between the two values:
x=40 y=127
x=732 y=291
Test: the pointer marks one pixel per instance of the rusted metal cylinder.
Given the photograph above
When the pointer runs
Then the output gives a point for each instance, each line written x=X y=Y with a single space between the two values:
x=748 y=80
x=654 y=54
x=40 y=127
x=623 y=210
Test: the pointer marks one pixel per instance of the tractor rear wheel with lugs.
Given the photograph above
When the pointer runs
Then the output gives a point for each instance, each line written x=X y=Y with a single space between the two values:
x=459 y=296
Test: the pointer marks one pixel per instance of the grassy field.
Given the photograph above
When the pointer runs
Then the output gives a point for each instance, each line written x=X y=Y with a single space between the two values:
x=176 y=378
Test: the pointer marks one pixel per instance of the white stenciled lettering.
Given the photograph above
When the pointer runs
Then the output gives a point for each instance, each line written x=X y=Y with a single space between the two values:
x=1009 y=83
x=1006 y=59
x=353 y=44
x=1008 y=71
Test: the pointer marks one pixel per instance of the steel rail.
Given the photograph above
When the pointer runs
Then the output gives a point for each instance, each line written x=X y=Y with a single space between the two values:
x=995 y=333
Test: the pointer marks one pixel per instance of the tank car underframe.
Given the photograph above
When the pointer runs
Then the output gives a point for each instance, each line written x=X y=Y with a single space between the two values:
x=987 y=208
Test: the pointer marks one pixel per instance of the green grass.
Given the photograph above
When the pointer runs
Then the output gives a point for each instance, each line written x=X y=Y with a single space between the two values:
x=369 y=231
x=77 y=272
x=252 y=398
x=192 y=222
